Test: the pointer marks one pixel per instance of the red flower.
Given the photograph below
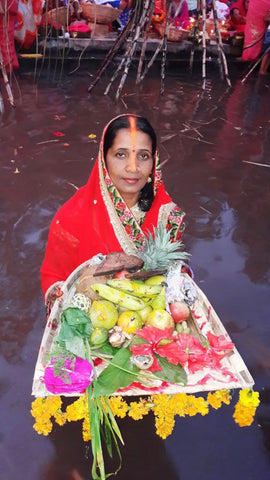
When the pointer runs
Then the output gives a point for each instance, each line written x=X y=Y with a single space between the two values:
x=186 y=349
x=219 y=344
x=58 y=134
x=153 y=336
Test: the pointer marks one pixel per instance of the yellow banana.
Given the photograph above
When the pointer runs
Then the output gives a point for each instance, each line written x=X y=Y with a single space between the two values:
x=121 y=298
x=135 y=288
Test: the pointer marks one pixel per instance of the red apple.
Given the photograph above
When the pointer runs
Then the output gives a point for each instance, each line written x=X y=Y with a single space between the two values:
x=122 y=274
x=179 y=311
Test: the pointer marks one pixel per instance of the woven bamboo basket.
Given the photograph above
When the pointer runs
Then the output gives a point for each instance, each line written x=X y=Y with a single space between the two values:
x=99 y=13
x=203 y=319
x=175 y=34
x=58 y=15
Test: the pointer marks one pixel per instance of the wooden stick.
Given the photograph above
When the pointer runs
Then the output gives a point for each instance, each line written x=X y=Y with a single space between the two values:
x=6 y=82
x=267 y=51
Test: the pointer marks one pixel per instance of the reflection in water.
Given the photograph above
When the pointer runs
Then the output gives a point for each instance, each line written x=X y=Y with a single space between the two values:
x=205 y=140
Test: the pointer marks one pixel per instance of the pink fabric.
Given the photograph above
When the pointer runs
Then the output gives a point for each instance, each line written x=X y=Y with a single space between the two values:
x=77 y=377
x=255 y=29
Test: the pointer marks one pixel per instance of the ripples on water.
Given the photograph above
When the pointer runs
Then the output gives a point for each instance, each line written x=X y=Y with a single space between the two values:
x=206 y=142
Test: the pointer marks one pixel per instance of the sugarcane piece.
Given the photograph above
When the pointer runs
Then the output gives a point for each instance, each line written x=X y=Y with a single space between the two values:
x=146 y=31
x=133 y=49
x=113 y=51
x=160 y=45
x=119 y=68
x=204 y=45
x=6 y=82
x=222 y=56
x=164 y=48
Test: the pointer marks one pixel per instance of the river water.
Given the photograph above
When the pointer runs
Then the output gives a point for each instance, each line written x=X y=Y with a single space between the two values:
x=215 y=147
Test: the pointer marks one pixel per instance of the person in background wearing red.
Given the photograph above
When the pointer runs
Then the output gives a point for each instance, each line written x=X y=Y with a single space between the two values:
x=238 y=14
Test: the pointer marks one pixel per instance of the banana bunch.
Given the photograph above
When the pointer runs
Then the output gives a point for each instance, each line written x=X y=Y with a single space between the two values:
x=137 y=288
x=118 y=297
x=128 y=294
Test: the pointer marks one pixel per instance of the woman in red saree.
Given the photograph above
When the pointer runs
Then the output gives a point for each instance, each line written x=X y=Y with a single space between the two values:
x=117 y=208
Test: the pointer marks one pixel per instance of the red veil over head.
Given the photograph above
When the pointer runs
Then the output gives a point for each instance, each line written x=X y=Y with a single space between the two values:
x=97 y=220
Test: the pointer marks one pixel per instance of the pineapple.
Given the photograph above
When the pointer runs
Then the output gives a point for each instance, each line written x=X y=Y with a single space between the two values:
x=160 y=252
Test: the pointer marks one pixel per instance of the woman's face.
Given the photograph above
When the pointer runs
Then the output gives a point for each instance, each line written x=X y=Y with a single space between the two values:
x=129 y=163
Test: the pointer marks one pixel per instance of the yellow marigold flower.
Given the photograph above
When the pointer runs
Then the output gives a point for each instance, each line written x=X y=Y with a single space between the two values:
x=217 y=398
x=178 y=403
x=76 y=411
x=243 y=415
x=86 y=430
x=60 y=418
x=164 y=427
x=202 y=406
x=249 y=398
x=43 y=428
x=119 y=406
x=138 y=410
x=53 y=403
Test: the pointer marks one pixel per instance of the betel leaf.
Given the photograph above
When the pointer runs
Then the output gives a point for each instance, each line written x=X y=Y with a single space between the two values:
x=171 y=373
x=120 y=373
x=75 y=329
x=76 y=346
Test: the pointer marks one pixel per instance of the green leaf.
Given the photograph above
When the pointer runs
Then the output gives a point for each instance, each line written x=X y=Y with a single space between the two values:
x=171 y=373
x=119 y=374
x=74 y=316
x=76 y=346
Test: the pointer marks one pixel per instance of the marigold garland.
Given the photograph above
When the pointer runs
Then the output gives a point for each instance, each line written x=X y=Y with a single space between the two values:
x=246 y=407
x=165 y=408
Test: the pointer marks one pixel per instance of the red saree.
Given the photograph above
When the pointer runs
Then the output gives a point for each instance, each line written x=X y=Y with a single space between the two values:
x=97 y=220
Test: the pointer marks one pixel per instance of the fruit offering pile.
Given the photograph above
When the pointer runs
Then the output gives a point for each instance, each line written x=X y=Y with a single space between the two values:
x=117 y=331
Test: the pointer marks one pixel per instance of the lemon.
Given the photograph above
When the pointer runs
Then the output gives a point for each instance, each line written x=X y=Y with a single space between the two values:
x=130 y=321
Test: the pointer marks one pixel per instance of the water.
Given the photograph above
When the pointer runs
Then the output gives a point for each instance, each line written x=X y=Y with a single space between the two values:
x=213 y=147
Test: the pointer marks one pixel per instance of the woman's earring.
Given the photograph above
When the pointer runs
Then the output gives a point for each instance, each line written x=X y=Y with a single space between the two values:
x=149 y=179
